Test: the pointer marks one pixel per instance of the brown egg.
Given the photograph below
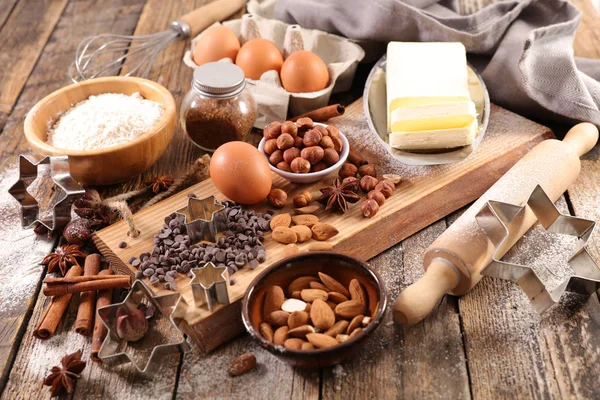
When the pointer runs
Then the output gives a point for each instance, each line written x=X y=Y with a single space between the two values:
x=216 y=43
x=241 y=172
x=258 y=56
x=304 y=72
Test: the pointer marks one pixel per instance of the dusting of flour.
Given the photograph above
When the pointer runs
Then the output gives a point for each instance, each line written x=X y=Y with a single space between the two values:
x=104 y=121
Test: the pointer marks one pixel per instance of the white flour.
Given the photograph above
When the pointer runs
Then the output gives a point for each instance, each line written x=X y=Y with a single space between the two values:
x=104 y=121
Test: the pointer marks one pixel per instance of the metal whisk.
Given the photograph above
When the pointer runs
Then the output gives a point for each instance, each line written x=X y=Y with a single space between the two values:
x=105 y=55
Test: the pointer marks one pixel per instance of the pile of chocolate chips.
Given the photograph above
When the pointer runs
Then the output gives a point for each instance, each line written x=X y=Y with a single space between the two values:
x=173 y=253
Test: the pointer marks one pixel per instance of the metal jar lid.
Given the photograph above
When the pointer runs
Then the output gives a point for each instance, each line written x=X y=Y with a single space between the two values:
x=218 y=79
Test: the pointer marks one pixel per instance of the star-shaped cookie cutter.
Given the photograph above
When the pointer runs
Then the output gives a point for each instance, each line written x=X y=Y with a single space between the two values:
x=210 y=285
x=204 y=218
x=168 y=339
x=500 y=221
x=30 y=208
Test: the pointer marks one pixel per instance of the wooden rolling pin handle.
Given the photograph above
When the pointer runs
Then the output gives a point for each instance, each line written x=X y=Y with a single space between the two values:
x=203 y=17
x=419 y=299
x=582 y=138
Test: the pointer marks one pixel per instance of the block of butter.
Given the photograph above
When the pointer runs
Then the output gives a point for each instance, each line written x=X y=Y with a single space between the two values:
x=429 y=104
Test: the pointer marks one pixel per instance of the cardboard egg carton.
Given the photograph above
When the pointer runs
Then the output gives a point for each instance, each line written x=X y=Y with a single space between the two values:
x=339 y=54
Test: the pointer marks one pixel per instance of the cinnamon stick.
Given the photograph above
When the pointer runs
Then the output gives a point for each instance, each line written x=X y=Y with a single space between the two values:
x=323 y=114
x=100 y=331
x=84 y=278
x=51 y=317
x=356 y=158
x=87 y=301
x=58 y=289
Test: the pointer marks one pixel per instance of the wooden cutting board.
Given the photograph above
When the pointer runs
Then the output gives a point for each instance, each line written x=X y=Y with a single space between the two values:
x=426 y=195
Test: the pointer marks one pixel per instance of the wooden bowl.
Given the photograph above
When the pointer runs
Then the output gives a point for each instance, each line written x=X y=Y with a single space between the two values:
x=338 y=266
x=113 y=164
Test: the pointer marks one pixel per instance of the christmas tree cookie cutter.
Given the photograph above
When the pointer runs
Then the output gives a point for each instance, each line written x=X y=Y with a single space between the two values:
x=203 y=218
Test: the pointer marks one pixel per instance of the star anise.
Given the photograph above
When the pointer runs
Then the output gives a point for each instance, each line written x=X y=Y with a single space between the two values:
x=62 y=378
x=338 y=195
x=63 y=258
x=160 y=183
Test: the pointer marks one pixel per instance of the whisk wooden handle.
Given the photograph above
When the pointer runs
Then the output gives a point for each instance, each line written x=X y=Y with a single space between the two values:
x=203 y=17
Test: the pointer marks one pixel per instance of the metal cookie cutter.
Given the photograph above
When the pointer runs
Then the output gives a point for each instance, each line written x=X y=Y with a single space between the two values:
x=61 y=200
x=159 y=341
x=496 y=218
x=210 y=285
x=204 y=218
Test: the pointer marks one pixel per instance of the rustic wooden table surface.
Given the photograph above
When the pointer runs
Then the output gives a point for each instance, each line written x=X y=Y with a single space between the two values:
x=486 y=344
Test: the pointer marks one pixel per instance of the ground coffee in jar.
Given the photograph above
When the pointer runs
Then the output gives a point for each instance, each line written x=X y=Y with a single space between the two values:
x=218 y=108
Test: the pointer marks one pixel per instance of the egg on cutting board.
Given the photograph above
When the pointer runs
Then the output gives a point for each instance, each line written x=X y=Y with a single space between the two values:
x=258 y=56
x=304 y=72
x=216 y=43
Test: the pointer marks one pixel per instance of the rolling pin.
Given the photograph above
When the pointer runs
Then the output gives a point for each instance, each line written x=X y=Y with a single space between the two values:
x=454 y=261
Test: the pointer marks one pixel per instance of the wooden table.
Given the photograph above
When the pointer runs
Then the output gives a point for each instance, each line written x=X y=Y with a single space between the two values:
x=486 y=344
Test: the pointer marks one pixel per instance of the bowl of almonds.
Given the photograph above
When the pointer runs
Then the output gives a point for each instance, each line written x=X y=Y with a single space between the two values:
x=314 y=309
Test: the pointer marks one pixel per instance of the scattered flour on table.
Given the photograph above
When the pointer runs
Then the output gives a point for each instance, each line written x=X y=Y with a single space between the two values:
x=104 y=121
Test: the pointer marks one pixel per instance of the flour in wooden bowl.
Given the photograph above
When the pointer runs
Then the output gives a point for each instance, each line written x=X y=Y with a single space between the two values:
x=105 y=120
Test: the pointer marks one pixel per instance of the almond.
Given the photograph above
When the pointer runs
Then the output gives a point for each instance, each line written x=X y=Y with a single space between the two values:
x=290 y=250
x=297 y=318
x=322 y=231
x=300 y=283
x=307 y=309
x=301 y=331
x=318 y=285
x=357 y=292
x=356 y=332
x=333 y=285
x=274 y=298
x=242 y=364
x=296 y=295
x=365 y=321
x=350 y=309
x=338 y=328
x=331 y=305
x=266 y=330
x=336 y=297
x=307 y=210
x=278 y=318
x=310 y=295
x=307 y=346
x=355 y=323
x=320 y=246
x=321 y=315
x=280 y=335
x=284 y=235
x=305 y=219
x=284 y=220
x=321 y=340
x=293 y=344
x=342 y=338
x=303 y=233
x=291 y=305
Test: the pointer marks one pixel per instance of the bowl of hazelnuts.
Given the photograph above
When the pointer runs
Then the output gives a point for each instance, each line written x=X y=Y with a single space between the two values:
x=304 y=151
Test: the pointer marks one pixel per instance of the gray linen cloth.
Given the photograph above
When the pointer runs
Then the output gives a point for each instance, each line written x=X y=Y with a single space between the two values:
x=522 y=48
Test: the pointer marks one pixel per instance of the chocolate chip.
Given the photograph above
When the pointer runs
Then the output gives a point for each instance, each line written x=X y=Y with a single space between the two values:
x=154 y=280
x=139 y=275
x=148 y=272
x=253 y=264
x=135 y=263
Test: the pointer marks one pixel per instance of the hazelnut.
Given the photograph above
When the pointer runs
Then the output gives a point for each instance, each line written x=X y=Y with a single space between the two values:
x=304 y=124
x=321 y=129
x=353 y=181
x=368 y=182
x=302 y=199
x=285 y=141
x=276 y=157
x=367 y=170
x=326 y=142
x=290 y=154
x=320 y=166
x=270 y=146
x=289 y=127
x=300 y=166
x=377 y=196
x=312 y=154
x=386 y=188
x=333 y=131
x=273 y=130
x=348 y=170
x=312 y=138
x=283 y=166
x=337 y=143
x=298 y=142
x=369 y=208
x=330 y=156
x=277 y=198
x=395 y=179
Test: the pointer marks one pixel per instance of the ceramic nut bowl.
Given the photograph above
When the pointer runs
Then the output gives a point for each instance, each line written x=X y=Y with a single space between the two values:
x=113 y=164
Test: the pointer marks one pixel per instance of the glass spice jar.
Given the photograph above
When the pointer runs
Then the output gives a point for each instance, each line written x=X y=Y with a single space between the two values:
x=218 y=108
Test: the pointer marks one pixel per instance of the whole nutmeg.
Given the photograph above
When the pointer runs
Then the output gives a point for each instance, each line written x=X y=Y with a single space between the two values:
x=333 y=131
x=386 y=188
x=290 y=128
x=277 y=198
x=320 y=166
x=131 y=326
x=353 y=181
x=330 y=156
x=270 y=146
x=312 y=154
x=312 y=138
x=377 y=196
x=368 y=183
x=348 y=170
x=272 y=131
x=78 y=231
x=290 y=154
x=304 y=124
x=285 y=141
x=367 y=170
x=369 y=208
x=276 y=157
x=326 y=142
x=298 y=142
x=283 y=166
x=300 y=166
x=337 y=143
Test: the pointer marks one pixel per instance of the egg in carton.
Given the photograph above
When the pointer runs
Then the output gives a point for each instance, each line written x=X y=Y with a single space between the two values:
x=339 y=54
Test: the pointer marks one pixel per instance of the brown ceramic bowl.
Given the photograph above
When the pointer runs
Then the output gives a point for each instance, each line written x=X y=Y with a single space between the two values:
x=112 y=164
x=340 y=267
